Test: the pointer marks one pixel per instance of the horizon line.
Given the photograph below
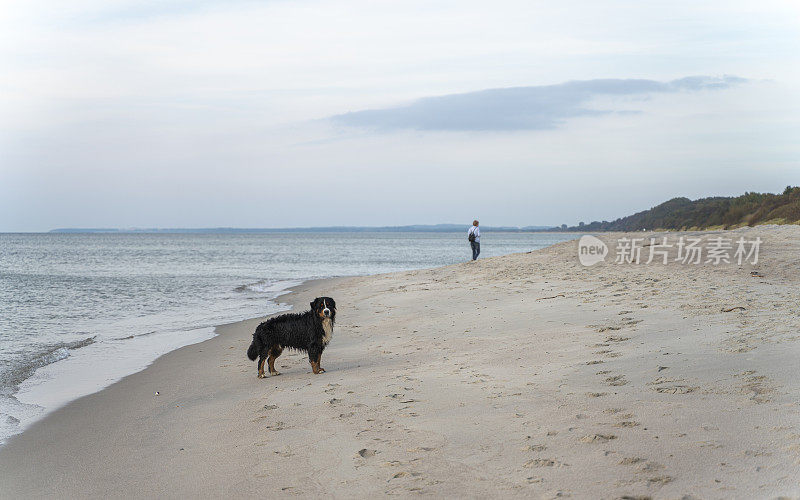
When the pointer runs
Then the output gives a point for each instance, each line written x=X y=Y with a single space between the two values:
x=343 y=228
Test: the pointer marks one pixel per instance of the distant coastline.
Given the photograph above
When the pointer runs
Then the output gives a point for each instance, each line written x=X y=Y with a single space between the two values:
x=677 y=214
x=432 y=228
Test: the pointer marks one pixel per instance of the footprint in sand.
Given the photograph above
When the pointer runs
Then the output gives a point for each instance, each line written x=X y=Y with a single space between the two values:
x=753 y=453
x=659 y=480
x=406 y=474
x=675 y=389
x=616 y=380
x=544 y=462
x=608 y=328
x=597 y=438
x=365 y=453
x=758 y=387
x=535 y=447
x=650 y=467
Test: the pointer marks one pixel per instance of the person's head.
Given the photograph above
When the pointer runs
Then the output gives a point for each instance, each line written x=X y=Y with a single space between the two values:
x=475 y=223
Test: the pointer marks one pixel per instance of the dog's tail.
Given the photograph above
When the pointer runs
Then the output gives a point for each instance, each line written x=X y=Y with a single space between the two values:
x=255 y=346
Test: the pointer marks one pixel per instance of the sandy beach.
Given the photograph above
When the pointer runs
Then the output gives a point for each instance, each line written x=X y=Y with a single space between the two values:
x=527 y=375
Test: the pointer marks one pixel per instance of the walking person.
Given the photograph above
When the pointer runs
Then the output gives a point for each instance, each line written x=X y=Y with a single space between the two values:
x=474 y=237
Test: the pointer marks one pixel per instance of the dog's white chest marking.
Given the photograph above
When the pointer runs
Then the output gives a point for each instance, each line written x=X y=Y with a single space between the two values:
x=327 y=327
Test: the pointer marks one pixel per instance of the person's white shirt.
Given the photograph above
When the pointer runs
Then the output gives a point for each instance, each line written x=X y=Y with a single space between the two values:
x=477 y=231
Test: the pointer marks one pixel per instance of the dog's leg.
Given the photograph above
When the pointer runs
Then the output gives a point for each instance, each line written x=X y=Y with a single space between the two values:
x=274 y=352
x=261 y=360
x=319 y=363
x=314 y=358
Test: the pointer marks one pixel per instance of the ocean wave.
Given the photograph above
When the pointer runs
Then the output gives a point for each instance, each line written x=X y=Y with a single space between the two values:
x=16 y=371
x=267 y=286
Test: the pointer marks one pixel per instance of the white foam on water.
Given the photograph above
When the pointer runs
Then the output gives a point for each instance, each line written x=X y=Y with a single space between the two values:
x=276 y=288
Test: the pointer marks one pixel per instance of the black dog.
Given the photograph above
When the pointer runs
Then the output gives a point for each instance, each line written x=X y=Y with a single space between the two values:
x=309 y=331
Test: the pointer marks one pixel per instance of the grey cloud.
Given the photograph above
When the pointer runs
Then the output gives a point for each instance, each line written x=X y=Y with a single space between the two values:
x=519 y=108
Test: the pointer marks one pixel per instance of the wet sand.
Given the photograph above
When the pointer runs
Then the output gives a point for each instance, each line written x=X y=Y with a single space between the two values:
x=526 y=375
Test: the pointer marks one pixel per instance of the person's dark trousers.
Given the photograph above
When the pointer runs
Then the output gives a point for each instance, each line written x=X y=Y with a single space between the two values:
x=476 y=249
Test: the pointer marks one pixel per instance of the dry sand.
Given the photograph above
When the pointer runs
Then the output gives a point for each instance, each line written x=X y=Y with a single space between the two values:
x=524 y=375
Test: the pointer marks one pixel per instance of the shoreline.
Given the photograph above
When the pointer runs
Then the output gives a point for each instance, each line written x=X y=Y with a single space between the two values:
x=521 y=375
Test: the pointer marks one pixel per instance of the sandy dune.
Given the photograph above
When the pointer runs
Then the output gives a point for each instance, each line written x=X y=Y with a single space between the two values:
x=525 y=375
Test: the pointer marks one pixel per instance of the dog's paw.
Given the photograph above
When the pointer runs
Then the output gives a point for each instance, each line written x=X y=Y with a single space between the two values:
x=321 y=370
x=275 y=373
x=261 y=375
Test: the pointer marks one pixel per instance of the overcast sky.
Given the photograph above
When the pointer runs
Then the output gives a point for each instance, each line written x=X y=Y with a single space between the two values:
x=173 y=113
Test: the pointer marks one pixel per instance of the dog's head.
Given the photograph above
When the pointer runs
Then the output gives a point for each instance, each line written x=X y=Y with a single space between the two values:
x=324 y=308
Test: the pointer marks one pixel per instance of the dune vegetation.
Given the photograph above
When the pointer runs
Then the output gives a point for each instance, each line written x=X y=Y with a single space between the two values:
x=749 y=209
